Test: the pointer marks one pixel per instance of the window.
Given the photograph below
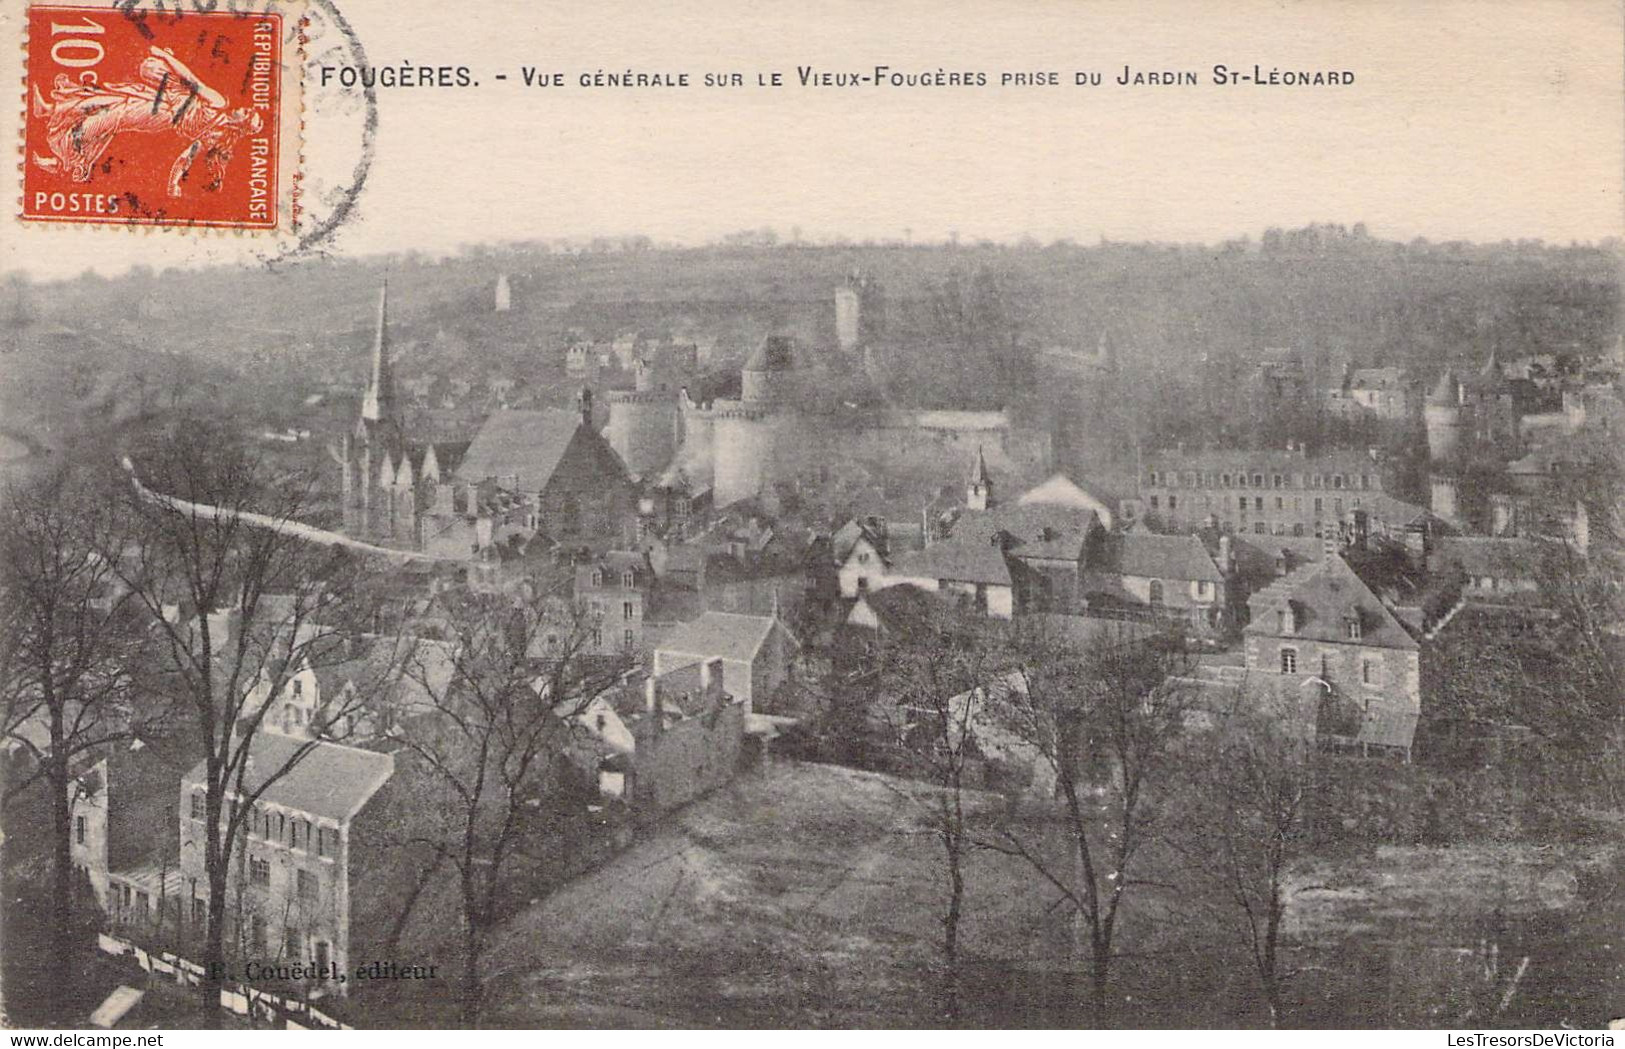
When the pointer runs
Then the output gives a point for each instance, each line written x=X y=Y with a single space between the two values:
x=1277 y=480
x=629 y=579
x=1242 y=500
x=863 y=584
x=1297 y=529
x=863 y=558
x=79 y=829
x=298 y=686
x=198 y=805
x=627 y=611
x=597 y=578
x=1280 y=504
x=1352 y=625
x=141 y=902
x=322 y=953
x=323 y=845
x=598 y=637
x=259 y=870
x=1368 y=672
x=1319 y=504
x=1289 y=661
x=1153 y=477
x=1154 y=592
x=1337 y=480
x=1173 y=502
x=1225 y=478
x=307 y=885
x=292 y=943
x=1258 y=480
x=1365 y=480
x=1260 y=529
x=1258 y=502
x=1241 y=480
x=1154 y=503
x=628 y=639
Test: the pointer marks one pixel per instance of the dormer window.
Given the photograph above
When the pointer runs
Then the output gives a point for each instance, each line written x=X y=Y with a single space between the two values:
x=298 y=687
x=597 y=578
x=1286 y=621
x=1352 y=625
x=629 y=579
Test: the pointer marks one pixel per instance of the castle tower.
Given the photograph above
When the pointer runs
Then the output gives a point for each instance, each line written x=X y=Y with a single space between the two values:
x=1442 y=414
x=848 y=315
x=767 y=376
x=979 y=493
x=1442 y=494
x=644 y=424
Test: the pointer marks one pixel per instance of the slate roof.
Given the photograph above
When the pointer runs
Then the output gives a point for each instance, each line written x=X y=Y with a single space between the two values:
x=1160 y=557
x=846 y=537
x=1035 y=530
x=1502 y=558
x=728 y=635
x=520 y=449
x=1061 y=490
x=775 y=354
x=1377 y=378
x=330 y=781
x=1264 y=460
x=959 y=560
x=1321 y=597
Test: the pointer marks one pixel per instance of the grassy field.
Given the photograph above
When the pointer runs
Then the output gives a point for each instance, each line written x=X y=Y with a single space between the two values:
x=802 y=894
x=810 y=895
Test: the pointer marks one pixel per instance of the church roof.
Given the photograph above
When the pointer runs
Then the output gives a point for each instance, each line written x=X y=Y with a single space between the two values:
x=521 y=449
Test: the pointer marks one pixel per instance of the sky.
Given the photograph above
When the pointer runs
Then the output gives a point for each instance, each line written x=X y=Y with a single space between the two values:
x=1478 y=121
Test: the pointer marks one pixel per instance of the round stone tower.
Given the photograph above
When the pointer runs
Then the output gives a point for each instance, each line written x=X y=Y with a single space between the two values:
x=769 y=373
x=643 y=424
x=1442 y=414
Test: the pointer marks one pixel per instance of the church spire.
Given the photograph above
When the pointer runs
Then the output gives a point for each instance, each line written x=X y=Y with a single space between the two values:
x=379 y=403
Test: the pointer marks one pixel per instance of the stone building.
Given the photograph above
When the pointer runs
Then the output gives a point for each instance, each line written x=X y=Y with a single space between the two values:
x=1321 y=633
x=523 y=472
x=291 y=882
x=1261 y=492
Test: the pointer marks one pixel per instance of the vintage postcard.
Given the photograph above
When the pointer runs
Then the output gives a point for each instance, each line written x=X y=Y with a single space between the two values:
x=982 y=514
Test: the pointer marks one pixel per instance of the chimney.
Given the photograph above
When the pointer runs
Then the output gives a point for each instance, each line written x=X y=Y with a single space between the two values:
x=584 y=399
x=1280 y=562
x=1328 y=546
x=711 y=678
x=1224 y=555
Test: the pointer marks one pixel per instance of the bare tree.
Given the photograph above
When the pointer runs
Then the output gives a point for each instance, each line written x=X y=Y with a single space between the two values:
x=1105 y=716
x=68 y=637
x=237 y=601
x=486 y=752
x=935 y=681
x=1250 y=781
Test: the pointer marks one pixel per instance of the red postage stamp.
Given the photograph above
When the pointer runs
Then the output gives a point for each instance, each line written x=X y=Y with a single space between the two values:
x=160 y=117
